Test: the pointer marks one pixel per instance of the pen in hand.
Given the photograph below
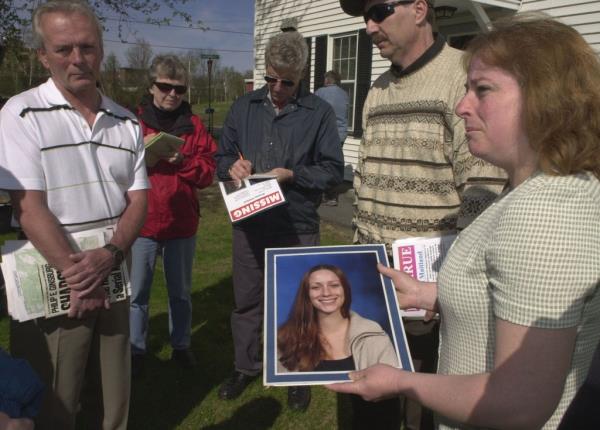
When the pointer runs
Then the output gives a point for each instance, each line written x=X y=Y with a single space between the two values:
x=241 y=168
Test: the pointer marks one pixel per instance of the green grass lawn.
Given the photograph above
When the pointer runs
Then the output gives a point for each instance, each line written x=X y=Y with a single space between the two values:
x=220 y=111
x=168 y=397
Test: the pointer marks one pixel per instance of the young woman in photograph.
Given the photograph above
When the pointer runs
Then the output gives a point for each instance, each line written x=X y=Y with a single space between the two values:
x=322 y=334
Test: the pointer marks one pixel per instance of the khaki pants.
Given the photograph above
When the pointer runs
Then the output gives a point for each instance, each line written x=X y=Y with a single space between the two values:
x=68 y=353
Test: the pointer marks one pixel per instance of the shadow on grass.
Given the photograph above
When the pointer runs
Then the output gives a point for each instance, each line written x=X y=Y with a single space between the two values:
x=168 y=397
x=257 y=414
x=166 y=394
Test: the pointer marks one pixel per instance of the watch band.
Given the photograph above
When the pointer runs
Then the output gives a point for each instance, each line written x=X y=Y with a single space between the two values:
x=117 y=253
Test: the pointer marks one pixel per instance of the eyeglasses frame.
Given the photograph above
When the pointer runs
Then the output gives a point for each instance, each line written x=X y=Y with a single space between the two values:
x=387 y=9
x=179 y=89
x=285 y=82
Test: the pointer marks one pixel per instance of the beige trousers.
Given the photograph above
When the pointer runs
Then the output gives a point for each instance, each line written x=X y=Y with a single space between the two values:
x=72 y=355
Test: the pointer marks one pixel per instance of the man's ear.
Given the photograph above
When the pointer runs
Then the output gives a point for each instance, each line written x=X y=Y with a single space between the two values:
x=43 y=57
x=421 y=9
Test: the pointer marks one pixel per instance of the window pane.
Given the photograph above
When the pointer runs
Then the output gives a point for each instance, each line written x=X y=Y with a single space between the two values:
x=336 y=66
x=344 y=62
x=350 y=89
x=345 y=73
x=336 y=48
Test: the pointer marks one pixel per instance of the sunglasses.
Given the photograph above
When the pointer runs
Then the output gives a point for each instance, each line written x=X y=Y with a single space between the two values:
x=284 y=82
x=167 y=88
x=378 y=12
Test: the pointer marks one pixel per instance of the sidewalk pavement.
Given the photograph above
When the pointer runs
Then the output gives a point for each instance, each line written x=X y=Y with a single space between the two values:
x=341 y=215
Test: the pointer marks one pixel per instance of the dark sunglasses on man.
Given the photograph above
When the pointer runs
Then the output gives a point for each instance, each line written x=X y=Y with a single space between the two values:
x=167 y=88
x=284 y=82
x=379 y=12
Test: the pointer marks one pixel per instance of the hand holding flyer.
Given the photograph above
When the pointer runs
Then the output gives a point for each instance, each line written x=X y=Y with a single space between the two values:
x=421 y=258
x=250 y=196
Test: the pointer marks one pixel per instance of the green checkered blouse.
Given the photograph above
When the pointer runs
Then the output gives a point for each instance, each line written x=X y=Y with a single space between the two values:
x=532 y=258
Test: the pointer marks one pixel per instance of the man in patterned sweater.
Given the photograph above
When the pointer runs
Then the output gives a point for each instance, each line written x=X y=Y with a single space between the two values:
x=415 y=175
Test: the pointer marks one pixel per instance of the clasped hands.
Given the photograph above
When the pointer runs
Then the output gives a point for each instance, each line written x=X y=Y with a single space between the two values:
x=85 y=278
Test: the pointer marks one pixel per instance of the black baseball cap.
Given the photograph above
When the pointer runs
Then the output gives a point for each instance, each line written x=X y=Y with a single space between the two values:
x=357 y=7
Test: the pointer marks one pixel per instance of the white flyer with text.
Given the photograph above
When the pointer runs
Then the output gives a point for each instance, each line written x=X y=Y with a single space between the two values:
x=421 y=258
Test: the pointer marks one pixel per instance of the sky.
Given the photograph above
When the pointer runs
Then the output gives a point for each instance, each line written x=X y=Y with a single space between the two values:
x=231 y=23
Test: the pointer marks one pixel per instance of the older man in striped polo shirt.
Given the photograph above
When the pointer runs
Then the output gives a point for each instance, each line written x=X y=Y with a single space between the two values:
x=72 y=161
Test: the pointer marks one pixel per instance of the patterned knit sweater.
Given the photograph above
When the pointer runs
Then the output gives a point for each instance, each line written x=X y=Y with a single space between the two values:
x=416 y=176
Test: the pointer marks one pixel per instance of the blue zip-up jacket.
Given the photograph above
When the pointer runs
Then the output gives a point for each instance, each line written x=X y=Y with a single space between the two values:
x=303 y=138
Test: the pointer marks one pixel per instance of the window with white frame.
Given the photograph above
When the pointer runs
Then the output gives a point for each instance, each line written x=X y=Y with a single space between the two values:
x=344 y=61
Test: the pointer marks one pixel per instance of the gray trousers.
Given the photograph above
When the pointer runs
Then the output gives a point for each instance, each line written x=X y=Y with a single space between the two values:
x=248 y=290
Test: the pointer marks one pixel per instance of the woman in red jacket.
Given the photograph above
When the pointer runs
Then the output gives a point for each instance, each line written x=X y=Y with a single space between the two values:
x=172 y=220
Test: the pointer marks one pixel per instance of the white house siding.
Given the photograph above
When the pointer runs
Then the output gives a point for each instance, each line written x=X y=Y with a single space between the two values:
x=324 y=17
x=584 y=16
x=509 y=4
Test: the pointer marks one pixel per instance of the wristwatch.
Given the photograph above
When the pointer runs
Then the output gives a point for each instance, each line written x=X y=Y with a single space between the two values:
x=116 y=252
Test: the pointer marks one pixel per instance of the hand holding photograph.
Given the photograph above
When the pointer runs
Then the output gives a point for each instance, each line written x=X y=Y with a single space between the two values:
x=328 y=311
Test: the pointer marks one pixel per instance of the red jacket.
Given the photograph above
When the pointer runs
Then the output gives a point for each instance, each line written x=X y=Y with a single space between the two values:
x=173 y=207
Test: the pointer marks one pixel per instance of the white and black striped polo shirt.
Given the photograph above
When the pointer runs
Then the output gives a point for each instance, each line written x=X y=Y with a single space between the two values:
x=45 y=144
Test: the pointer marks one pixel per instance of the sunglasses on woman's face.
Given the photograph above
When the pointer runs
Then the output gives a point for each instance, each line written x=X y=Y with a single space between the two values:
x=378 y=12
x=167 y=88
x=284 y=82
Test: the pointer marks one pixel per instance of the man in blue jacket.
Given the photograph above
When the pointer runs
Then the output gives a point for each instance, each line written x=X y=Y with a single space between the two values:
x=284 y=130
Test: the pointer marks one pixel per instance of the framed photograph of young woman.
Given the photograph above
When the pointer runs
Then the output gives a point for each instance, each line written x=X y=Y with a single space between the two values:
x=328 y=311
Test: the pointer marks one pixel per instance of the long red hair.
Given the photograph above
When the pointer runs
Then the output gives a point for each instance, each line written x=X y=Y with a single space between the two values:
x=298 y=339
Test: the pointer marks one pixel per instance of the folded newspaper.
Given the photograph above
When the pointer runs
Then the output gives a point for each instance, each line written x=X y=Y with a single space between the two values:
x=35 y=289
x=421 y=258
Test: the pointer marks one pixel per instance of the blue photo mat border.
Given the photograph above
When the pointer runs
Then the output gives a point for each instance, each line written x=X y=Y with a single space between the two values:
x=270 y=376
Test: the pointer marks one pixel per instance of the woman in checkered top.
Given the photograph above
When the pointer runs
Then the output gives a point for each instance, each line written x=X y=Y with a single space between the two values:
x=518 y=294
